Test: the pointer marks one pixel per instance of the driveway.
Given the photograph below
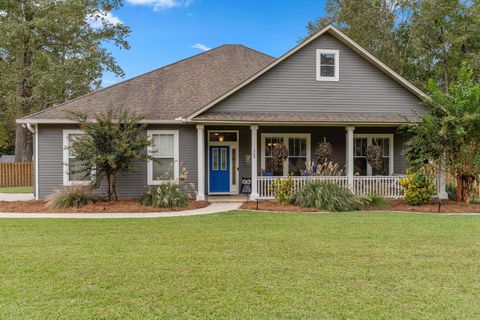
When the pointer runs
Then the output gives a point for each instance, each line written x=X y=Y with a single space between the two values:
x=16 y=196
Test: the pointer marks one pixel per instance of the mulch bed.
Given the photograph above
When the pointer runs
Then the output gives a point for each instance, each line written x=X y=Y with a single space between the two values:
x=269 y=205
x=121 y=206
x=446 y=206
x=394 y=205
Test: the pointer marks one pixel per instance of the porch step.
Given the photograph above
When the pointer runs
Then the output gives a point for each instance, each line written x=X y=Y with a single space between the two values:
x=228 y=198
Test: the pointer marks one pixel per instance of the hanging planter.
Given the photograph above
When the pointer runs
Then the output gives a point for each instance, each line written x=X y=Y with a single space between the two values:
x=279 y=155
x=375 y=156
x=324 y=151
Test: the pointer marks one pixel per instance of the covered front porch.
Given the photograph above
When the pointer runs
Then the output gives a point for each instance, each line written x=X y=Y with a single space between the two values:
x=233 y=156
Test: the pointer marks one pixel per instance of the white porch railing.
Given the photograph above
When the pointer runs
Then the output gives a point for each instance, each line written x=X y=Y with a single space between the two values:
x=384 y=186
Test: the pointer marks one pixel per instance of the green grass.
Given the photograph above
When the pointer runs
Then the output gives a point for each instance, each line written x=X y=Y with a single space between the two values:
x=242 y=265
x=28 y=189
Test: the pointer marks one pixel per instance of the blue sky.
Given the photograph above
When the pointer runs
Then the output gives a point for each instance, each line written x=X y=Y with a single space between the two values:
x=164 y=31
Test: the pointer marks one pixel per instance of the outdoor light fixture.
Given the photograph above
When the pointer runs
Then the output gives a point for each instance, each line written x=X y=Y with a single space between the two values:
x=220 y=138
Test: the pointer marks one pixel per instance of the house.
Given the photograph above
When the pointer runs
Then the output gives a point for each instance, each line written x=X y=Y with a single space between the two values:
x=219 y=114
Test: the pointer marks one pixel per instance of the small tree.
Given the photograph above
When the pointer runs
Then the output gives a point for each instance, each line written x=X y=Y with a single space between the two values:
x=451 y=132
x=109 y=145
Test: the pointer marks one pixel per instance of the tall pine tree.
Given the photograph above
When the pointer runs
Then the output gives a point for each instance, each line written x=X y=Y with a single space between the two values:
x=52 y=51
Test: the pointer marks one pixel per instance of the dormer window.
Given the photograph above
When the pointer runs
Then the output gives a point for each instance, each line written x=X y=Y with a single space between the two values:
x=327 y=65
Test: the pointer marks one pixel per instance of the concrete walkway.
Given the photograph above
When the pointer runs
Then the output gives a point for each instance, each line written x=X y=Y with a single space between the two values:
x=16 y=196
x=212 y=208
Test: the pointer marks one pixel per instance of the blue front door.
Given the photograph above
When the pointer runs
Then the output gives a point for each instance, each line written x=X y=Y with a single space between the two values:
x=219 y=160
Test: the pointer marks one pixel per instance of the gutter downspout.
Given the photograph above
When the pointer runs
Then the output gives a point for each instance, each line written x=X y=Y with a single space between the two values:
x=34 y=131
x=29 y=127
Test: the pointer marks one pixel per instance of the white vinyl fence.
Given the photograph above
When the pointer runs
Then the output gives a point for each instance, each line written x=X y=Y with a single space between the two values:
x=384 y=186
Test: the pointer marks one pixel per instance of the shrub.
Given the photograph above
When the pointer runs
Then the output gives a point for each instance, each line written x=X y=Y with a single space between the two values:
x=72 y=196
x=166 y=195
x=375 y=201
x=283 y=190
x=452 y=192
x=327 y=196
x=327 y=168
x=419 y=188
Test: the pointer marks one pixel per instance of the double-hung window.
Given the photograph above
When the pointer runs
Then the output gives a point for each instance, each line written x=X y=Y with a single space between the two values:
x=298 y=153
x=328 y=65
x=360 y=163
x=73 y=172
x=269 y=144
x=360 y=156
x=164 y=165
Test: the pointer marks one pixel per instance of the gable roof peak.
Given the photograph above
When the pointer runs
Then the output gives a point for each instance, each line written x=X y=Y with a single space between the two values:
x=340 y=36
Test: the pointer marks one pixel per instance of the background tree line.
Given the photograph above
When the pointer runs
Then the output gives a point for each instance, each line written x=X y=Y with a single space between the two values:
x=51 y=51
x=420 y=39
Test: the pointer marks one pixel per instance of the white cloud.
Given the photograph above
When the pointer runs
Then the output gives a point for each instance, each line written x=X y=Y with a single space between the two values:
x=201 y=47
x=98 y=19
x=159 y=5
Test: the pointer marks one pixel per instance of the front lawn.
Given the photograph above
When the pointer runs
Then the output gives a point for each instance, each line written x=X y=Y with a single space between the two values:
x=242 y=265
x=28 y=189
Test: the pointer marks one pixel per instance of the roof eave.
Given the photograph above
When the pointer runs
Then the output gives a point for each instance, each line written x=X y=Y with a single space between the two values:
x=301 y=123
x=67 y=121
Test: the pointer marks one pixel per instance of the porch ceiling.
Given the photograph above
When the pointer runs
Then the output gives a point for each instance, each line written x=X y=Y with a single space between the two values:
x=325 y=118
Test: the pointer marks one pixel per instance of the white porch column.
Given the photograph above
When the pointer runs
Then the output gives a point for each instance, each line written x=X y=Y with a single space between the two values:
x=201 y=162
x=349 y=156
x=254 y=157
x=442 y=188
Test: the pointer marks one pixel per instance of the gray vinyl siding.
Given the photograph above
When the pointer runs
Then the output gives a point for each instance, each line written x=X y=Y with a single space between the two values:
x=129 y=185
x=291 y=87
x=50 y=159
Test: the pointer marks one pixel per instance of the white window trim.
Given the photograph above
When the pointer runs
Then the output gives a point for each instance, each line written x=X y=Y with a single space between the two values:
x=337 y=65
x=66 y=179
x=369 y=138
x=176 y=163
x=285 y=137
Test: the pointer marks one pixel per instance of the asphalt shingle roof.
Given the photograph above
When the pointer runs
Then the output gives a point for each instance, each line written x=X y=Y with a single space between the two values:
x=173 y=91
x=388 y=118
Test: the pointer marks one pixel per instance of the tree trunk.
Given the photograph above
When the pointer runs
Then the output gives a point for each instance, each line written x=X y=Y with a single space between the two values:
x=109 y=182
x=114 y=186
x=459 y=190
x=468 y=188
x=464 y=187
x=23 y=138
x=23 y=144
x=445 y=73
